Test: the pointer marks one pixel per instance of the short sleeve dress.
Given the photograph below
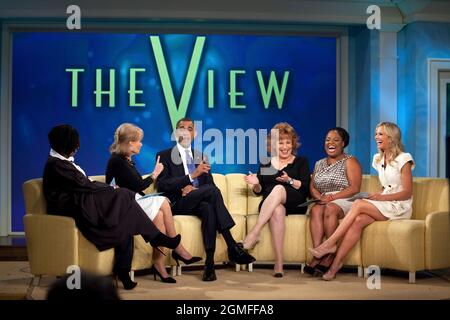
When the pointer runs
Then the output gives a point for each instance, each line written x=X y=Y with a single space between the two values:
x=390 y=178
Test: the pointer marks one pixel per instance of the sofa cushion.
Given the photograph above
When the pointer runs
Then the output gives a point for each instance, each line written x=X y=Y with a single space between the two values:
x=237 y=194
x=395 y=244
x=370 y=183
x=294 y=240
x=143 y=254
x=92 y=260
x=190 y=229
x=221 y=182
x=253 y=202
x=99 y=178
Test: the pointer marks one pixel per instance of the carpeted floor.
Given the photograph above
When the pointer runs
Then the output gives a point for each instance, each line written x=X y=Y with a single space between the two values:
x=260 y=284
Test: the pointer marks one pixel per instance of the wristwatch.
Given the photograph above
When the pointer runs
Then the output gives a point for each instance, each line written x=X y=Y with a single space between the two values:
x=291 y=181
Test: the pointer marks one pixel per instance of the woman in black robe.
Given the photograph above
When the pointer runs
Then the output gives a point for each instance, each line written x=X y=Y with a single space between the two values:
x=106 y=216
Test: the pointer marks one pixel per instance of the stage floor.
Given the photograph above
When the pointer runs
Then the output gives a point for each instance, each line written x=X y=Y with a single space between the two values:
x=258 y=285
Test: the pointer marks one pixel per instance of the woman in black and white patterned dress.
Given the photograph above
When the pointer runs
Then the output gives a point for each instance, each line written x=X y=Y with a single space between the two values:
x=335 y=179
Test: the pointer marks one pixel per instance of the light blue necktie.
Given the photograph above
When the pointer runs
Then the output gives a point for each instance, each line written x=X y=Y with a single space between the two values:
x=191 y=167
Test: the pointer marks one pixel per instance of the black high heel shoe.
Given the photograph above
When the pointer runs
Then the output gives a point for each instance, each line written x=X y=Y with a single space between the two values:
x=161 y=240
x=127 y=283
x=165 y=280
x=177 y=257
x=318 y=268
x=324 y=269
x=309 y=270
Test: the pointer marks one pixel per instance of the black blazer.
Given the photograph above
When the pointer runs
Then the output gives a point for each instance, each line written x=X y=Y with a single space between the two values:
x=172 y=179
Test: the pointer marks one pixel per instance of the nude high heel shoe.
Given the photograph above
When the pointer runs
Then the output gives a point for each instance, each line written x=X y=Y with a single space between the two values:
x=320 y=253
x=331 y=273
x=250 y=245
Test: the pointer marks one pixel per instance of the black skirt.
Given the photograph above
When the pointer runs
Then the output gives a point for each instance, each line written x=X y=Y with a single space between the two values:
x=293 y=199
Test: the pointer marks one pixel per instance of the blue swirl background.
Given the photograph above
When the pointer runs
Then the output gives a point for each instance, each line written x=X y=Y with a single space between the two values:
x=41 y=95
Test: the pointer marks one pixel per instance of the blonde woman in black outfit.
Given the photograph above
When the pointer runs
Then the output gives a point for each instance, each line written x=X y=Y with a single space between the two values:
x=128 y=142
x=284 y=184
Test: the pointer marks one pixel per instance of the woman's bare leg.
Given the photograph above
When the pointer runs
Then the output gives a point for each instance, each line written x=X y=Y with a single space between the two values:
x=277 y=228
x=332 y=214
x=316 y=227
x=349 y=240
x=170 y=228
x=276 y=197
x=158 y=257
x=360 y=206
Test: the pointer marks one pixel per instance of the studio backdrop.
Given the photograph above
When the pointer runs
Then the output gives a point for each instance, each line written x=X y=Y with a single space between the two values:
x=236 y=86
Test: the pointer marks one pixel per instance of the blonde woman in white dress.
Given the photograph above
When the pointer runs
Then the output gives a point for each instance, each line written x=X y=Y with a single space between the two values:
x=394 y=201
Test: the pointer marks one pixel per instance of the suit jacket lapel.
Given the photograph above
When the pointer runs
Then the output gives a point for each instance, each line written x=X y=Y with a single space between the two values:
x=197 y=157
x=178 y=162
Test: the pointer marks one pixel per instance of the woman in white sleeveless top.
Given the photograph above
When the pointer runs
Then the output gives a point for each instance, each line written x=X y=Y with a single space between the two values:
x=394 y=201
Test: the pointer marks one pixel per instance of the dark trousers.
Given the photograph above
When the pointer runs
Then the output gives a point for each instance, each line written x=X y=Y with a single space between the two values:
x=123 y=255
x=206 y=202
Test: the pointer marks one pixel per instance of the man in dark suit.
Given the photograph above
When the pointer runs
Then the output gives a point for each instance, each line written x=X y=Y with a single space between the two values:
x=186 y=180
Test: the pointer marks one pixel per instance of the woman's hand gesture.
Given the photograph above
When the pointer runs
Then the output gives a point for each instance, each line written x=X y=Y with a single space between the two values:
x=251 y=179
x=283 y=178
x=159 y=167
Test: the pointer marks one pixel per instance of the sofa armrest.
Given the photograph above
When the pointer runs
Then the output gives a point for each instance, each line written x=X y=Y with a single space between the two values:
x=52 y=243
x=437 y=240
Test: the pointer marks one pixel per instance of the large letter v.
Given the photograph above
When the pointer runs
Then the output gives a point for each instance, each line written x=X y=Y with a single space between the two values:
x=177 y=112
